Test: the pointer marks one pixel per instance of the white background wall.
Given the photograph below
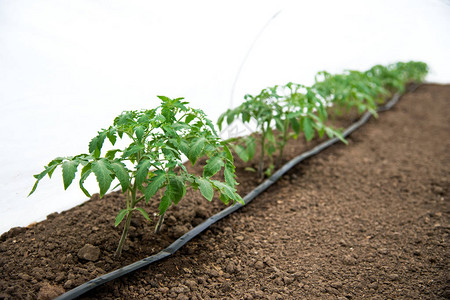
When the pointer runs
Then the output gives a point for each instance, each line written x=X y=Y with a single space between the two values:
x=67 y=68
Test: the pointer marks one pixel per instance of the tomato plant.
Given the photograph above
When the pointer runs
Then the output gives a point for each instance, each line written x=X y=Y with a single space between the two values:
x=293 y=109
x=350 y=89
x=153 y=161
x=366 y=90
x=290 y=109
x=303 y=112
x=262 y=108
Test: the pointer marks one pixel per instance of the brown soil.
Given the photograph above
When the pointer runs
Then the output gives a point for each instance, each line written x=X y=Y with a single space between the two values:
x=365 y=221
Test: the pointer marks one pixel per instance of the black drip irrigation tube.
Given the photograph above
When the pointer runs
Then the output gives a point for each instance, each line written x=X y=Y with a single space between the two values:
x=84 y=288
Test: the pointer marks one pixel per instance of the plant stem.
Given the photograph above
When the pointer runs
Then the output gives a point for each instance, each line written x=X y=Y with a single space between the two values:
x=124 y=235
x=132 y=204
x=160 y=222
x=261 y=157
x=285 y=138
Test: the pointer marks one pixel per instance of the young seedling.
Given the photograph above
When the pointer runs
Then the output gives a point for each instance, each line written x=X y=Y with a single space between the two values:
x=153 y=161
x=291 y=109
x=303 y=111
x=261 y=108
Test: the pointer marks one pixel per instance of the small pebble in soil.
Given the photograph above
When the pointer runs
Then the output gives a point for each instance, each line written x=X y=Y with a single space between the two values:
x=89 y=253
x=48 y=291
x=259 y=265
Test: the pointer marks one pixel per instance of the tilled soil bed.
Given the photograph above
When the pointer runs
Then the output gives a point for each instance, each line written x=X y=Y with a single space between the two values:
x=365 y=221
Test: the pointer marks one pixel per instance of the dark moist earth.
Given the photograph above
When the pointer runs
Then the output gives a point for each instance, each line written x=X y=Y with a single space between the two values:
x=365 y=221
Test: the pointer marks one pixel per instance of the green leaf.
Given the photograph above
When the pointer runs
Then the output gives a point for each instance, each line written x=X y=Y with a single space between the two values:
x=96 y=144
x=308 y=128
x=176 y=189
x=56 y=161
x=122 y=174
x=229 y=174
x=139 y=132
x=269 y=135
x=213 y=165
x=85 y=172
x=69 y=168
x=241 y=152
x=143 y=212
x=225 y=199
x=228 y=153
x=227 y=190
x=156 y=182
x=220 y=120
x=47 y=170
x=111 y=154
x=295 y=125
x=196 y=149
x=164 y=98
x=251 y=147
x=184 y=147
x=142 y=172
x=120 y=216
x=112 y=135
x=230 y=117
x=205 y=188
x=189 y=118
x=103 y=174
x=133 y=149
x=279 y=124
x=211 y=126
x=164 y=204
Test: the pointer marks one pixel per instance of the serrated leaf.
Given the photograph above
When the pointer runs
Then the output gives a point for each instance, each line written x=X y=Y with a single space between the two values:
x=228 y=153
x=295 y=125
x=241 y=152
x=176 y=189
x=69 y=168
x=227 y=190
x=120 y=217
x=56 y=161
x=133 y=149
x=139 y=132
x=308 y=128
x=103 y=174
x=122 y=174
x=213 y=165
x=164 y=98
x=142 y=172
x=156 y=182
x=164 y=204
x=184 y=147
x=143 y=212
x=251 y=147
x=220 y=120
x=225 y=199
x=205 y=188
x=196 y=149
x=112 y=135
x=41 y=175
x=85 y=172
x=189 y=118
x=279 y=124
x=96 y=144
x=229 y=174
x=269 y=135
x=111 y=154
x=211 y=126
